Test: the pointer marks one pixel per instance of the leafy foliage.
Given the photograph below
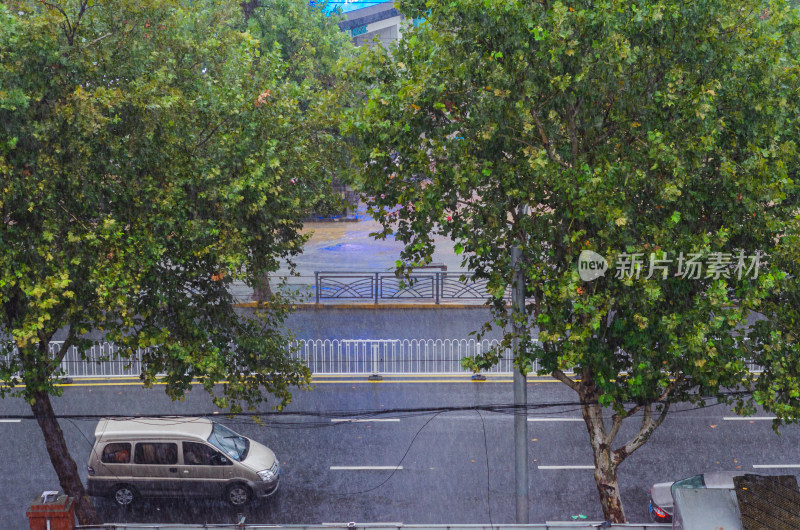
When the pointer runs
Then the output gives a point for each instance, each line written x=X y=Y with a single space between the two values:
x=310 y=46
x=773 y=340
x=652 y=128
x=149 y=159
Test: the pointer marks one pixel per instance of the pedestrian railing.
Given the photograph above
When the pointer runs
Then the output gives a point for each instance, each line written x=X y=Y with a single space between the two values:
x=386 y=356
x=323 y=357
x=436 y=287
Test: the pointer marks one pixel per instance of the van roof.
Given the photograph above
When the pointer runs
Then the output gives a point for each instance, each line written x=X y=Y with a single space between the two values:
x=161 y=427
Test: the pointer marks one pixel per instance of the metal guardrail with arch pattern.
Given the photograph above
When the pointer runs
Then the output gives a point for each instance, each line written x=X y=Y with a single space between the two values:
x=436 y=287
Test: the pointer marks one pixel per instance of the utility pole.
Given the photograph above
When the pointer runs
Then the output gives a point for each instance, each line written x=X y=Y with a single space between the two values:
x=520 y=389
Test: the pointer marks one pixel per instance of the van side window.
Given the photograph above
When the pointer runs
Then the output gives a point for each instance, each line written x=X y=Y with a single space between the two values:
x=116 y=453
x=196 y=454
x=156 y=453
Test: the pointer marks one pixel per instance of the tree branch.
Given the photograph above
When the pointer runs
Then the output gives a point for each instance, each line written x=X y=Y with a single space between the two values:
x=69 y=28
x=548 y=148
x=616 y=424
x=573 y=132
x=210 y=134
x=55 y=362
x=98 y=39
x=645 y=431
x=561 y=376
x=69 y=32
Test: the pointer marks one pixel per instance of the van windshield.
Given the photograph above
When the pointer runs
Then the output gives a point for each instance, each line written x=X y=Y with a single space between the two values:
x=230 y=443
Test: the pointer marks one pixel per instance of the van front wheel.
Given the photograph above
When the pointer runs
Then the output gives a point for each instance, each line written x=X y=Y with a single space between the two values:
x=124 y=495
x=238 y=495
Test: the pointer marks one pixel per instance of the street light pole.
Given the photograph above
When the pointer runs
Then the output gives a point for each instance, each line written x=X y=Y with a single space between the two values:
x=520 y=391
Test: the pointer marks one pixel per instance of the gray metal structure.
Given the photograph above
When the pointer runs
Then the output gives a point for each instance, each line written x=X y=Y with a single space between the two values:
x=434 y=287
x=520 y=394
x=365 y=526
x=706 y=509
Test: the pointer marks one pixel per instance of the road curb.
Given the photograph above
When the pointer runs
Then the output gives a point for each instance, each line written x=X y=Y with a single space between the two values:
x=253 y=305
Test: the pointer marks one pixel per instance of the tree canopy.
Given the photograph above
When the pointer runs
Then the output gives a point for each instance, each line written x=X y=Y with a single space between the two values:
x=657 y=136
x=151 y=153
x=310 y=46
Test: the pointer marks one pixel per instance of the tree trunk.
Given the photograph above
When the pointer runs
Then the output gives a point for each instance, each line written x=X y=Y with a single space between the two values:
x=62 y=461
x=262 y=291
x=248 y=7
x=605 y=461
x=605 y=477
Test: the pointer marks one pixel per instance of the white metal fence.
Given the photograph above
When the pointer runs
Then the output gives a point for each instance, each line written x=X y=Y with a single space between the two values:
x=102 y=360
x=387 y=356
x=323 y=357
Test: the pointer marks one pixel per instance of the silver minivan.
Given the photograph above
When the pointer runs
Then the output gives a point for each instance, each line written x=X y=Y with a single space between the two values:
x=178 y=457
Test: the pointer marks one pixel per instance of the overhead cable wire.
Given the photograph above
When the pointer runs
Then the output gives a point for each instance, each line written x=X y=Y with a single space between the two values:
x=497 y=408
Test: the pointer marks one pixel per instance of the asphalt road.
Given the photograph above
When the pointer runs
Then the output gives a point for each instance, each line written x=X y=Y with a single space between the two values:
x=383 y=322
x=457 y=466
x=388 y=323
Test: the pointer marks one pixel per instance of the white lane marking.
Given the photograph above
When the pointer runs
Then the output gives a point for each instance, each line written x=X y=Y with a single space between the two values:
x=354 y=420
x=746 y=418
x=571 y=523
x=363 y=525
x=565 y=467
x=768 y=466
x=10 y=421
x=555 y=419
x=365 y=468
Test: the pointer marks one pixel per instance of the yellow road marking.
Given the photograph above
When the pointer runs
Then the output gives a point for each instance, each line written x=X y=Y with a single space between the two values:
x=329 y=379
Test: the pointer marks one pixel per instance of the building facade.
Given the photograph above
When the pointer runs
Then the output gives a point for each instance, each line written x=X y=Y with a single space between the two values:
x=380 y=20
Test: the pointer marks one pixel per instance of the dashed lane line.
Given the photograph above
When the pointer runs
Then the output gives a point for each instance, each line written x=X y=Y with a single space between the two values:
x=565 y=467
x=366 y=468
x=367 y=420
x=555 y=419
x=572 y=523
x=748 y=418
x=775 y=466
x=363 y=525
x=10 y=421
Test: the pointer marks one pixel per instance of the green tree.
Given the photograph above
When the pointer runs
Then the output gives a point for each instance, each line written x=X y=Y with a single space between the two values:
x=308 y=39
x=636 y=130
x=310 y=45
x=774 y=339
x=150 y=155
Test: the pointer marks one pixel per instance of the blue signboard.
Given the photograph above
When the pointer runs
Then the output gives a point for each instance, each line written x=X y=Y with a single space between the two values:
x=346 y=5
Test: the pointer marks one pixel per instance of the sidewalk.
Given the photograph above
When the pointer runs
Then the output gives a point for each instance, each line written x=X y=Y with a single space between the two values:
x=348 y=247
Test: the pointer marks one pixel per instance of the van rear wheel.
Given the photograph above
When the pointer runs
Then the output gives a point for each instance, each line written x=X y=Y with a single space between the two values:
x=238 y=495
x=124 y=495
